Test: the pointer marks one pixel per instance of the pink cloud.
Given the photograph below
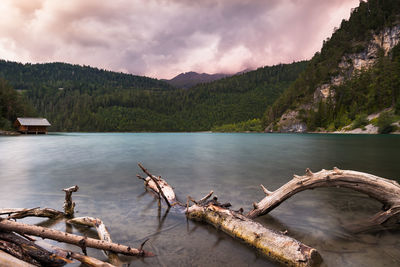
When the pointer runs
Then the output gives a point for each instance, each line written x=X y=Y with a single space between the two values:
x=161 y=38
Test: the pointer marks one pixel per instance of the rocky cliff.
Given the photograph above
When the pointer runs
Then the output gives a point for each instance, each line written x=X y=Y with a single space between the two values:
x=350 y=65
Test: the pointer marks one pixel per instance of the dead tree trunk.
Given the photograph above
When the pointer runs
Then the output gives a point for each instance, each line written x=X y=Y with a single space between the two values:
x=384 y=190
x=83 y=242
x=274 y=245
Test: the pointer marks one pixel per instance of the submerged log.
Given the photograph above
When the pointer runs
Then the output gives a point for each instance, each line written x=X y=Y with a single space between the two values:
x=275 y=245
x=272 y=244
x=384 y=190
x=102 y=233
x=82 y=242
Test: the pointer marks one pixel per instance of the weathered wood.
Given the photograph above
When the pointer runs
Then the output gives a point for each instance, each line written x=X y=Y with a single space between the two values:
x=160 y=186
x=30 y=250
x=17 y=252
x=83 y=242
x=18 y=213
x=273 y=244
x=89 y=261
x=102 y=233
x=384 y=190
x=7 y=260
x=69 y=205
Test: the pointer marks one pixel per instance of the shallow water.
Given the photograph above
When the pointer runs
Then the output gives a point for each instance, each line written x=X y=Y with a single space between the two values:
x=33 y=170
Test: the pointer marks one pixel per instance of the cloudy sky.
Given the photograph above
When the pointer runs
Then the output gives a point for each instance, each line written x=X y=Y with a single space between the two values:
x=162 y=38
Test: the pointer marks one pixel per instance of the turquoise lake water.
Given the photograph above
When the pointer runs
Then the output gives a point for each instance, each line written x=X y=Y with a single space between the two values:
x=34 y=169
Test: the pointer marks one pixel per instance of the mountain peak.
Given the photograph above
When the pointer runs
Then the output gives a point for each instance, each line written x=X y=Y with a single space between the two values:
x=189 y=79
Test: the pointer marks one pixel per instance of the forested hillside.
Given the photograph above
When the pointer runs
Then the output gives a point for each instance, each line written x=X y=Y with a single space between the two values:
x=12 y=105
x=356 y=73
x=76 y=98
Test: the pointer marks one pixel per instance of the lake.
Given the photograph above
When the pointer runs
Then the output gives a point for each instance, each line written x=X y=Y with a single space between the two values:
x=34 y=169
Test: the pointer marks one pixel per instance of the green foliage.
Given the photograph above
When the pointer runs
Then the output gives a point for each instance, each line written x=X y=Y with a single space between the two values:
x=360 y=121
x=253 y=125
x=384 y=122
x=75 y=98
x=12 y=105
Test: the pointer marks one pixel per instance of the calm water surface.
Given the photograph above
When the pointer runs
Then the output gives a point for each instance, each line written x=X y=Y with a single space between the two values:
x=33 y=170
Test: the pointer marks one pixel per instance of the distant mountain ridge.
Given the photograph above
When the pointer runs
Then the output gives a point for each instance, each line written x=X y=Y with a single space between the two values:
x=189 y=79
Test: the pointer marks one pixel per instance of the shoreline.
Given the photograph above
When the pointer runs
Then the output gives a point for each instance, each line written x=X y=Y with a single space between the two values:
x=9 y=133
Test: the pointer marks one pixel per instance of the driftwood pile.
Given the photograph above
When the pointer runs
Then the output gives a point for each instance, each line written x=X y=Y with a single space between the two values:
x=19 y=247
x=276 y=245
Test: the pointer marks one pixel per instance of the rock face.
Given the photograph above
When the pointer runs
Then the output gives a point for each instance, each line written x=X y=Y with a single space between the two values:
x=290 y=123
x=347 y=67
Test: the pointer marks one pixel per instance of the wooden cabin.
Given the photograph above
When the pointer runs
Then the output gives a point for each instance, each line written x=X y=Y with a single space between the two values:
x=32 y=125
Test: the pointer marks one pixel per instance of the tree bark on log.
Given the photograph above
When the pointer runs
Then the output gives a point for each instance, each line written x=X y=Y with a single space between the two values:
x=17 y=251
x=60 y=236
x=384 y=190
x=272 y=244
x=102 y=233
x=29 y=250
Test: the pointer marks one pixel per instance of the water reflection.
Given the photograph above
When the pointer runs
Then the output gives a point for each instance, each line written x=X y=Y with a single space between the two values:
x=233 y=165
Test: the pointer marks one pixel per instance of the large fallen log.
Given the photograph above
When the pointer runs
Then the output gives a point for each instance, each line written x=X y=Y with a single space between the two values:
x=272 y=244
x=82 y=242
x=384 y=190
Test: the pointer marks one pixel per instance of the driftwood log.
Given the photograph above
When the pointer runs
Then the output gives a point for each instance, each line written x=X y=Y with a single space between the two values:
x=384 y=190
x=102 y=233
x=34 y=212
x=273 y=244
x=82 y=242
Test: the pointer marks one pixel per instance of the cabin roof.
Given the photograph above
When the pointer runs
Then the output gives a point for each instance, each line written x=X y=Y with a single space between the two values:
x=33 y=121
